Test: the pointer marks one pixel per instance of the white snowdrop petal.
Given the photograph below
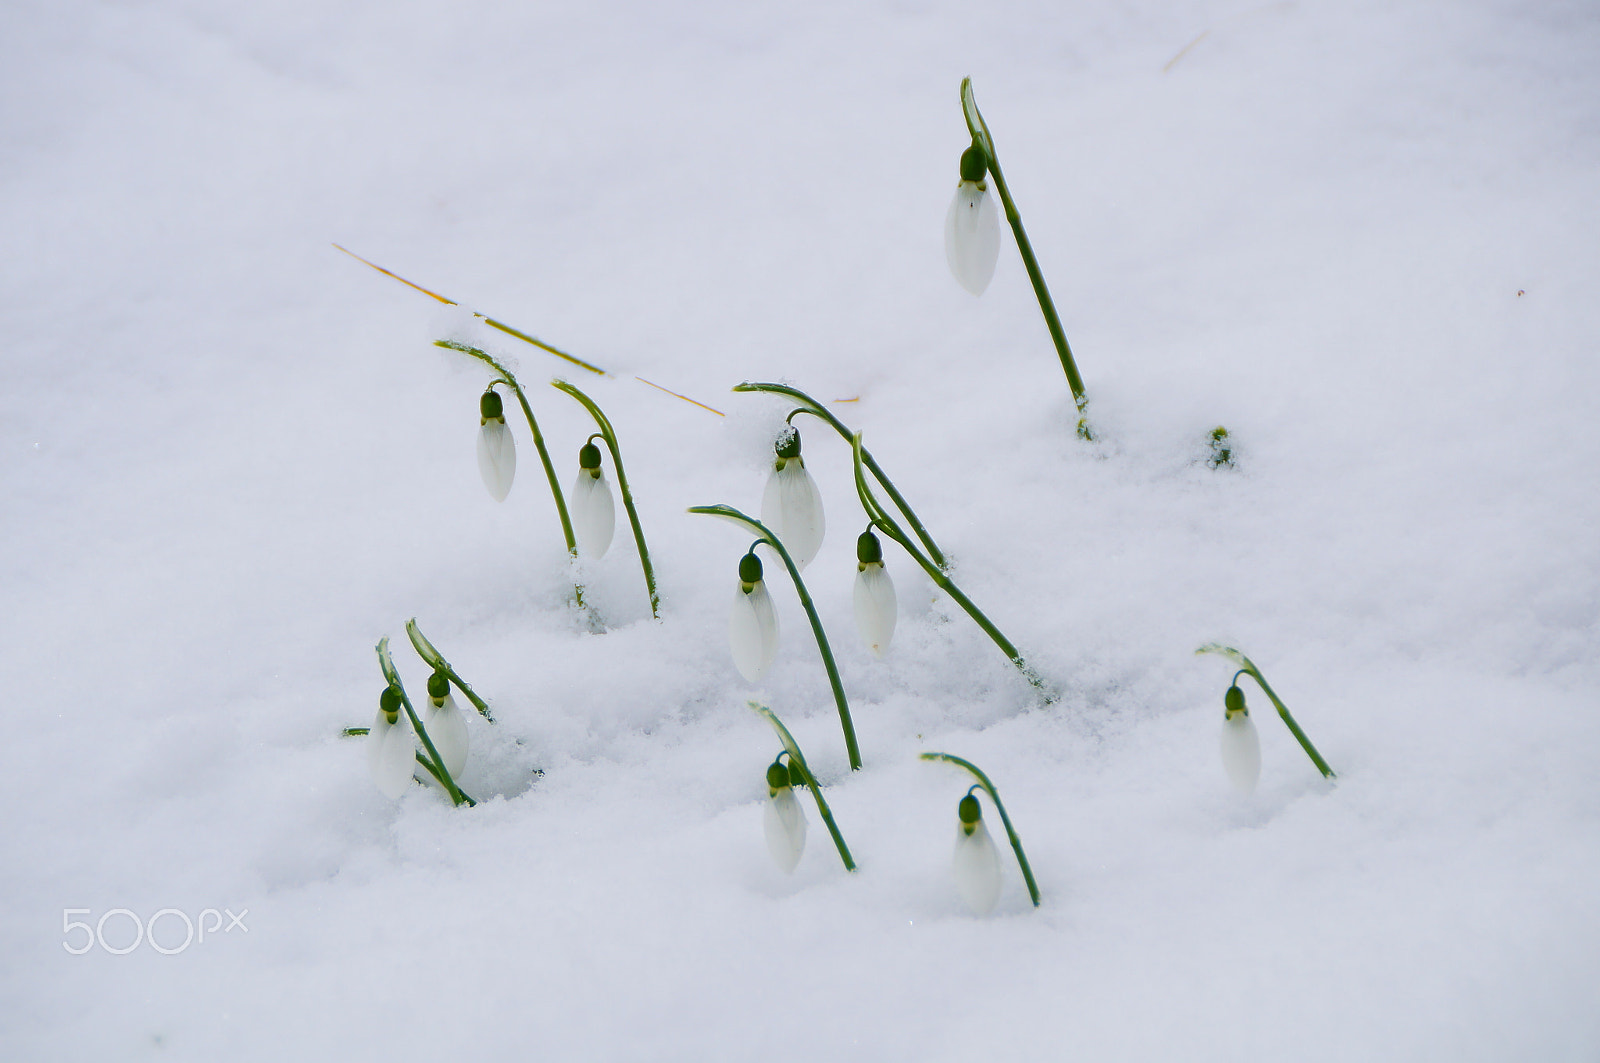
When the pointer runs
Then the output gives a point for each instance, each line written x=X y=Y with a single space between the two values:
x=791 y=506
x=497 y=458
x=972 y=237
x=977 y=869
x=876 y=607
x=391 y=753
x=594 y=514
x=1241 y=752
x=448 y=728
x=753 y=632
x=785 y=823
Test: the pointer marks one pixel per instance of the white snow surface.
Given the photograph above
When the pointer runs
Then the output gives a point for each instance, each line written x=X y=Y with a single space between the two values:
x=1361 y=235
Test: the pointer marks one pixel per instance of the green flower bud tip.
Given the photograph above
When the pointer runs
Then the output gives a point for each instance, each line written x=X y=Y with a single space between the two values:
x=974 y=164
x=438 y=685
x=1233 y=703
x=389 y=701
x=787 y=445
x=868 y=549
x=970 y=812
x=749 y=569
x=777 y=777
x=490 y=405
x=589 y=457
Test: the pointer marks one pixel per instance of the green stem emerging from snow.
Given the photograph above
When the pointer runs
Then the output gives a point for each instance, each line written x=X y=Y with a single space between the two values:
x=538 y=440
x=798 y=759
x=816 y=409
x=433 y=762
x=881 y=519
x=980 y=136
x=610 y=437
x=729 y=513
x=436 y=661
x=994 y=795
x=1248 y=667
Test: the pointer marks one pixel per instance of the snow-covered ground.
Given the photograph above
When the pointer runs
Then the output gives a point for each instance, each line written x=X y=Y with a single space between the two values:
x=1362 y=235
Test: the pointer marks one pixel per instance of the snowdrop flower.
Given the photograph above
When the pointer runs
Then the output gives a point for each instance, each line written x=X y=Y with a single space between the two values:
x=876 y=605
x=391 y=746
x=972 y=227
x=594 y=514
x=791 y=506
x=784 y=819
x=753 y=624
x=445 y=725
x=497 y=451
x=1241 y=748
x=977 y=862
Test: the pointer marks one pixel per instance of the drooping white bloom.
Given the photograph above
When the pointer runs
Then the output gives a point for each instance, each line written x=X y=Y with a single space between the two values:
x=785 y=823
x=1241 y=747
x=976 y=866
x=972 y=236
x=876 y=606
x=594 y=514
x=753 y=629
x=391 y=751
x=497 y=450
x=791 y=506
x=447 y=727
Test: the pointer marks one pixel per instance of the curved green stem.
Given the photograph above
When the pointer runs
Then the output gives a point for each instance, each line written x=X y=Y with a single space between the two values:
x=1248 y=667
x=994 y=795
x=538 y=443
x=880 y=517
x=436 y=661
x=796 y=758
x=816 y=409
x=436 y=767
x=729 y=513
x=980 y=135
x=610 y=437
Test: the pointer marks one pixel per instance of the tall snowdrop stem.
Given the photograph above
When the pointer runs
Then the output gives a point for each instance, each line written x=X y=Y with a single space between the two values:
x=433 y=762
x=980 y=136
x=816 y=409
x=885 y=523
x=1011 y=833
x=798 y=759
x=436 y=661
x=538 y=442
x=1247 y=667
x=610 y=436
x=729 y=513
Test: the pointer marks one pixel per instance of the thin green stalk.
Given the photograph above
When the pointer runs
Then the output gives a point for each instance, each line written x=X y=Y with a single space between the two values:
x=797 y=757
x=881 y=519
x=771 y=540
x=436 y=661
x=610 y=437
x=980 y=135
x=436 y=768
x=355 y=732
x=994 y=795
x=816 y=409
x=1249 y=668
